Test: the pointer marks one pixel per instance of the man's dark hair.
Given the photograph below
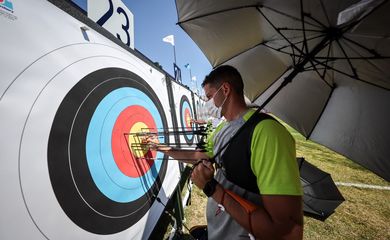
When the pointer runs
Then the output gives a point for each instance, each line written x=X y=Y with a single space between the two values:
x=225 y=73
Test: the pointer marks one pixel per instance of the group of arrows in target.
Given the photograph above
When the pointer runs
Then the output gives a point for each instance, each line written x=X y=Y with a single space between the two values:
x=147 y=139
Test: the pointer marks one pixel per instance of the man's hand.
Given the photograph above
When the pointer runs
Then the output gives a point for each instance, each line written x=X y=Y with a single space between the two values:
x=152 y=143
x=202 y=173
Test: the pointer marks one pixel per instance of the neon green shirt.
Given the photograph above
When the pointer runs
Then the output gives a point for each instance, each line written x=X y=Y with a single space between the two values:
x=273 y=157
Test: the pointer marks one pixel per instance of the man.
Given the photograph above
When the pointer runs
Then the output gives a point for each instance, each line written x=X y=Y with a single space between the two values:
x=256 y=192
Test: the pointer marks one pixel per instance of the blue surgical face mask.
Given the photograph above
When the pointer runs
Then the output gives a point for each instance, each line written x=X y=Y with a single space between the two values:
x=211 y=109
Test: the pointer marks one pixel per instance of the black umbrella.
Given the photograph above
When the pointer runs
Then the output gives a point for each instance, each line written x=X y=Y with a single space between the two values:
x=323 y=67
x=320 y=194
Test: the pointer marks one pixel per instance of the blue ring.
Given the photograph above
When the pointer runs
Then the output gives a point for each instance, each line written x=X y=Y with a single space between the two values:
x=104 y=171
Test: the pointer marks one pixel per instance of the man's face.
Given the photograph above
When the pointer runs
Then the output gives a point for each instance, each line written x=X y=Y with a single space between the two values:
x=214 y=92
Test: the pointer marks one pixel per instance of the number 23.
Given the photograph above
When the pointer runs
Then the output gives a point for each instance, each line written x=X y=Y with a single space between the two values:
x=109 y=13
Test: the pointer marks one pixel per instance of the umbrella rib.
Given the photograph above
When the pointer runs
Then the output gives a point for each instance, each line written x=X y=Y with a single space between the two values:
x=322 y=63
x=273 y=48
x=322 y=112
x=315 y=20
x=299 y=29
x=288 y=15
x=319 y=74
x=326 y=14
x=303 y=27
x=366 y=59
x=282 y=39
x=327 y=58
x=371 y=36
x=348 y=60
x=351 y=76
x=217 y=12
x=354 y=58
x=259 y=44
x=307 y=49
x=372 y=51
x=242 y=7
x=301 y=56
x=293 y=56
x=258 y=9
x=311 y=68
x=303 y=41
x=248 y=49
x=322 y=79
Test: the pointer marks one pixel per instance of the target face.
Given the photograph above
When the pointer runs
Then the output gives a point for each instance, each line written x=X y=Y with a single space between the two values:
x=102 y=179
x=70 y=167
x=186 y=115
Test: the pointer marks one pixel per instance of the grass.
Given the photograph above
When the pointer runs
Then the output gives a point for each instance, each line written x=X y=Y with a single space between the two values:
x=364 y=215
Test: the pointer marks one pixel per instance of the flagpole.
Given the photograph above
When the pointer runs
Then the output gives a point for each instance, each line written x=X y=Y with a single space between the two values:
x=171 y=39
x=174 y=53
x=196 y=83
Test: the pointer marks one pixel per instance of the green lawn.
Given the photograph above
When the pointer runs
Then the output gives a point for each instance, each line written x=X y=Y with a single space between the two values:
x=364 y=215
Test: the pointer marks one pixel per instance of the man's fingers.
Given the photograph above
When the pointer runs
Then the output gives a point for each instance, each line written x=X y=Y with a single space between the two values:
x=208 y=164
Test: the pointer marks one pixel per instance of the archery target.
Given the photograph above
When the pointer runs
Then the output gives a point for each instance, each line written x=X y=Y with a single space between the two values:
x=199 y=106
x=97 y=114
x=200 y=111
x=70 y=169
x=186 y=115
x=184 y=112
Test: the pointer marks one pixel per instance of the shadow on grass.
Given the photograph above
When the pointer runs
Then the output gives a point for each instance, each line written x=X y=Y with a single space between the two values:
x=184 y=236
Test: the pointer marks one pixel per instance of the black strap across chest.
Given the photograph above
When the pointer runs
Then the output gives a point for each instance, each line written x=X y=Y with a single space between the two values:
x=236 y=160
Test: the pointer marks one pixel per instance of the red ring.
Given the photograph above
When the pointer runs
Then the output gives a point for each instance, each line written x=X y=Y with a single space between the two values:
x=128 y=163
x=187 y=115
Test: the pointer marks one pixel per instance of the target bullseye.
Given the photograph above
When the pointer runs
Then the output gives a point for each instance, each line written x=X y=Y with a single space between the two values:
x=135 y=142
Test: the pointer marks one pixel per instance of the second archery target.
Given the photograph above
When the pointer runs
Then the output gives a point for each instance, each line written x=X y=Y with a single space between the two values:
x=186 y=116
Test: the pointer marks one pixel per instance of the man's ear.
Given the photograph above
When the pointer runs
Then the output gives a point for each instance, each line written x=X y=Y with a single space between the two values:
x=226 y=88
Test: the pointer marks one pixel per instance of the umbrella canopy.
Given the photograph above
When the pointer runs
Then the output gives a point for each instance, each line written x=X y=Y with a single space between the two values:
x=324 y=64
x=321 y=195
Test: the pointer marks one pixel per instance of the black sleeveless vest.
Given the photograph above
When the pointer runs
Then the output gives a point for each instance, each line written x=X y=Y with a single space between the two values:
x=237 y=156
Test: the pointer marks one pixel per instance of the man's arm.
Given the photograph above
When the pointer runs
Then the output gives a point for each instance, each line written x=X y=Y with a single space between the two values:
x=280 y=217
x=182 y=155
x=186 y=156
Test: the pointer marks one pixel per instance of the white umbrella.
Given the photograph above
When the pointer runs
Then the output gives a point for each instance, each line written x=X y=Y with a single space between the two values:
x=323 y=65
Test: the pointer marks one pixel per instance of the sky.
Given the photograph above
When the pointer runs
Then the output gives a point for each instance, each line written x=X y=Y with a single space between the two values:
x=155 y=19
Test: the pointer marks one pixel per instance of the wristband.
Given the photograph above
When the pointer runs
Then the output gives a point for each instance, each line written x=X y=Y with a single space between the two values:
x=210 y=187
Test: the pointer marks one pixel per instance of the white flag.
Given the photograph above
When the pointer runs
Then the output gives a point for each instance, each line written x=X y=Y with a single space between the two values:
x=169 y=39
x=194 y=78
